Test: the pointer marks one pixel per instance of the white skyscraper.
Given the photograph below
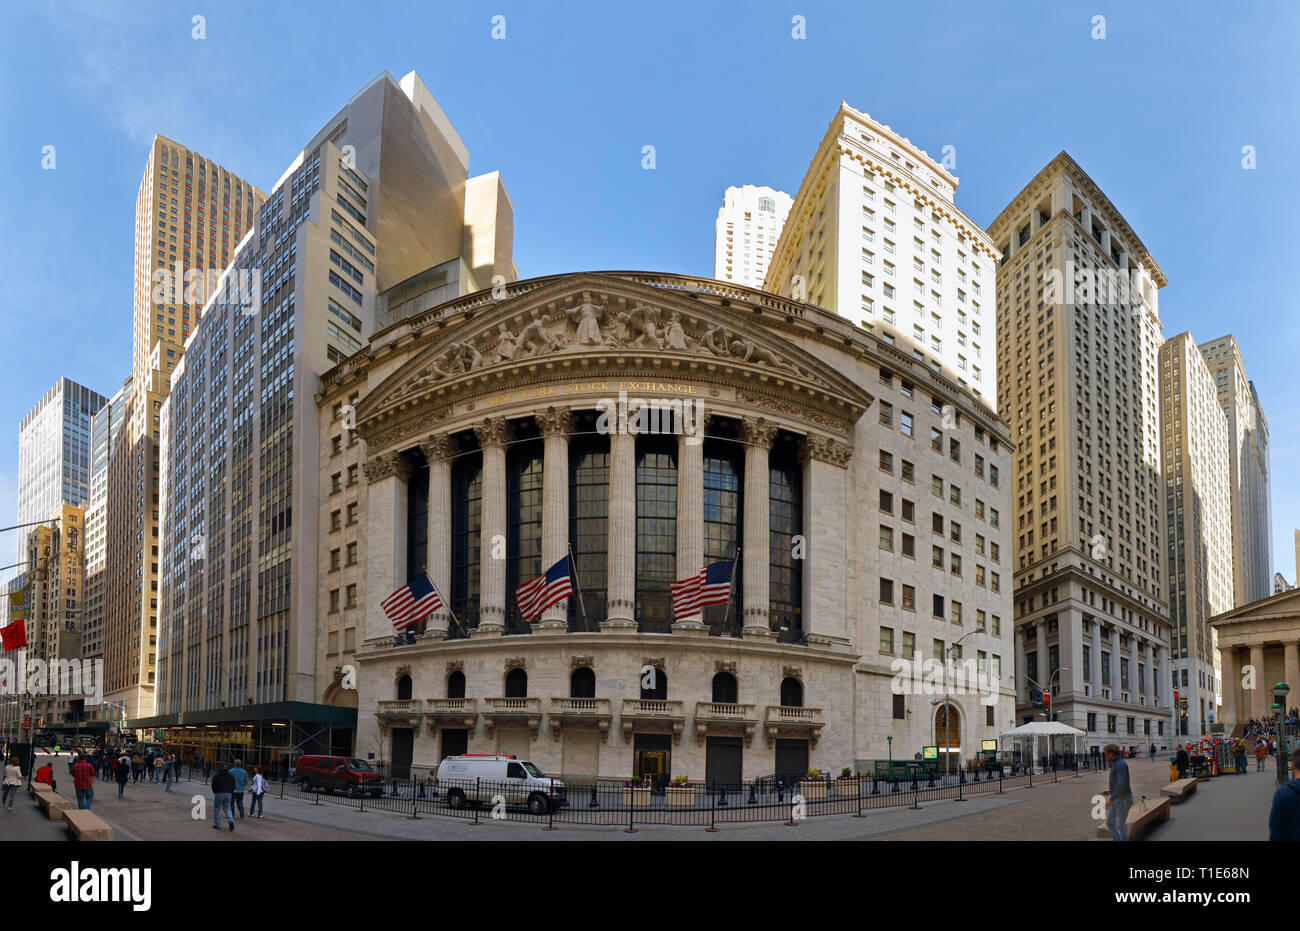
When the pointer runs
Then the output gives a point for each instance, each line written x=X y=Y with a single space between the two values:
x=746 y=233
x=874 y=235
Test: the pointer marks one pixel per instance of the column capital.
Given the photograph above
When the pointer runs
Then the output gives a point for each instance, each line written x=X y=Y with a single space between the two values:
x=758 y=431
x=824 y=449
x=439 y=447
x=555 y=421
x=493 y=431
x=385 y=465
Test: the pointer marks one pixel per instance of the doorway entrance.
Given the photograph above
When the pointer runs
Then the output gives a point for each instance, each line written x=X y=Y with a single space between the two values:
x=652 y=758
x=791 y=759
x=403 y=752
x=947 y=736
x=455 y=741
x=722 y=761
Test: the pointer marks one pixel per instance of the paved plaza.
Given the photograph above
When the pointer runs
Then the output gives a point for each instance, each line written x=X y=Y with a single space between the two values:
x=1224 y=808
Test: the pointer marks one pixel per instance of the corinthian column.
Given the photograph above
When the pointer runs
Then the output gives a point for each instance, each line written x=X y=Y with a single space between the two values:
x=493 y=435
x=758 y=435
x=386 y=481
x=622 y=531
x=438 y=451
x=690 y=518
x=556 y=425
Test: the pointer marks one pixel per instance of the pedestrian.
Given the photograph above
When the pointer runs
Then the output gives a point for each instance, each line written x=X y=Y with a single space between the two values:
x=1153 y=753
x=240 y=776
x=137 y=766
x=223 y=786
x=1284 y=816
x=123 y=773
x=83 y=780
x=258 y=786
x=1119 y=798
x=1261 y=754
x=1239 y=754
x=157 y=768
x=168 y=776
x=12 y=781
x=45 y=774
x=1182 y=761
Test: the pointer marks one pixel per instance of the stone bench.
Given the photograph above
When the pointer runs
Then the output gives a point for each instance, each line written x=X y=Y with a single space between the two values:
x=1178 y=790
x=1142 y=817
x=83 y=824
x=51 y=803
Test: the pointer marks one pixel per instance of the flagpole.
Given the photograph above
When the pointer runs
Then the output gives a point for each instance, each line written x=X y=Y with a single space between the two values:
x=731 y=587
x=445 y=602
x=573 y=567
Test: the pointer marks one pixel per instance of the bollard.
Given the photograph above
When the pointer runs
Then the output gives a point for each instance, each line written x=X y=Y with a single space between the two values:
x=875 y=787
x=916 y=797
x=895 y=789
x=593 y=803
x=753 y=798
x=930 y=782
x=722 y=797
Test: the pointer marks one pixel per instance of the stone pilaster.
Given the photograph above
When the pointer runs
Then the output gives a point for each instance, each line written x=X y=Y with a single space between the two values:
x=826 y=529
x=493 y=435
x=386 y=483
x=1022 y=693
x=690 y=519
x=556 y=425
x=1040 y=647
x=1231 y=686
x=758 y=434
x=1261 y=696
x=439 y=449
x=622 y=532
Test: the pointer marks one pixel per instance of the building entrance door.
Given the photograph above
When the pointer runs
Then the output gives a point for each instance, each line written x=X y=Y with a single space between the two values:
x=722 y=762
x=455 y=741
x=652 y=757
x=791 y=758
x=947 y=736
x=403 y=752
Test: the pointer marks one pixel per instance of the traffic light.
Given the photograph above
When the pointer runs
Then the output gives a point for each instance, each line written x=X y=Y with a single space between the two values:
x=1047 y=702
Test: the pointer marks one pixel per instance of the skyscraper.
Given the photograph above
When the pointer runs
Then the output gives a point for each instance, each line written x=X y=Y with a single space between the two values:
x=874 y=235
x=746 y=233
x=54 y=454
x=1198 y=523
x=1252 y=510
x=379 y=198
x=1078 y=332
x=105 y=433
x=190 y=215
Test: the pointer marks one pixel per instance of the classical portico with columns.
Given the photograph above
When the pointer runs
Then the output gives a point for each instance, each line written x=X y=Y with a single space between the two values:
x=1259 y=646
x=647 y=425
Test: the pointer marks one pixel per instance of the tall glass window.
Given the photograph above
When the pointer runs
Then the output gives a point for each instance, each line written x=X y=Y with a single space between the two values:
x=466 y=535
x=785 y=522
x=589 y=525
x=417 y=522
x=656 y=531
x=724 y=470
x=523 y=525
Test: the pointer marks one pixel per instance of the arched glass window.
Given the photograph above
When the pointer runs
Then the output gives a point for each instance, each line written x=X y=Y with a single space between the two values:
x=654 y=685
x=724 y=688
x=404 y=688
x=656 y=531
x=785 y=572
x=724 y=508
x=791 y=693
x=589 y=525
x=466 y=535
x=582 y=683
x=523 y=525
x=516 y=683
x=456 y=684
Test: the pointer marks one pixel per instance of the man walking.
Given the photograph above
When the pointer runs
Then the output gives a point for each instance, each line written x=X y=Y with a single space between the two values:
x=1182 y=761
x=1153 y=753
x=1284 y=817
x=1120 y=797
x=123 y=773
x=83 y=780
x=240 y=775
x=223 y=786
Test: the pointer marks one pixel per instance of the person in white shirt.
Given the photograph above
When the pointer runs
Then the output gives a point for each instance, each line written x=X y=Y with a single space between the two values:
x=258 y=787
x=12 y=780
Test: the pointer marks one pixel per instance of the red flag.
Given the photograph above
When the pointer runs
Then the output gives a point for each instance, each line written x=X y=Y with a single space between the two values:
x=14 y=636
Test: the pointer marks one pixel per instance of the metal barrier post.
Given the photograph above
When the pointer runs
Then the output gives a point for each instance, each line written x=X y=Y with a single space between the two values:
x=415 y=804
x=593 y=803
x=999 y=780
x=916 y=795
x=478 y=782
x=631 y=798
x=713 y=813
x=859 y=794
x=550 y=809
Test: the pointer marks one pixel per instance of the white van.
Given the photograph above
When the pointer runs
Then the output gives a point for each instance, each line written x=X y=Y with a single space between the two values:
x=478 y=778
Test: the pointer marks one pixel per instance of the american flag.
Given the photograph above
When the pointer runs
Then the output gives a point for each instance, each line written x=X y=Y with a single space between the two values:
x=412 y=603
x=549 y=588
x=710 y=586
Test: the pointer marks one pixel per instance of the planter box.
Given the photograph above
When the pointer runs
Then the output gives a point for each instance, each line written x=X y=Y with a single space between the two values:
x=812 y=789
x=636 y=798
x=846 y=788
x=679 y=797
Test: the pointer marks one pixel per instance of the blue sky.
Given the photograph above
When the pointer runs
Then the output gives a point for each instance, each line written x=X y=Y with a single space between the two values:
x=1157 y=113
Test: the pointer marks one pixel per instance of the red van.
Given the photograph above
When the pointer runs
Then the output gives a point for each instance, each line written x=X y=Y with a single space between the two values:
x=338 y=774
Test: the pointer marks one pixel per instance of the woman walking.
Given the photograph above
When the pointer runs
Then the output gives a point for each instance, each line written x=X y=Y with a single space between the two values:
x=258 y=787
x=13 y=779
x=1261 y=753
x=123 y=774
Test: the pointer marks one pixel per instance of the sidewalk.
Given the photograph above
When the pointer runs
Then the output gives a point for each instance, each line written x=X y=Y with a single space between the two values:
x=27 y=822
x=1233 y=807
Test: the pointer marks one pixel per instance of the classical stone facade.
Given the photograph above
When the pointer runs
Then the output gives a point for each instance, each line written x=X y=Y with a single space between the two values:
x=1260 y=646
x=501 y=433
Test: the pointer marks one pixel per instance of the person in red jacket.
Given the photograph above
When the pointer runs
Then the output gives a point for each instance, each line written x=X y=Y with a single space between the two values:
x=83 y=779
x=45 y=774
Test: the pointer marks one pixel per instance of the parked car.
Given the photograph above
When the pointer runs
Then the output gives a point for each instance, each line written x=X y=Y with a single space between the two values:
x=473 y=779
x=338 y=774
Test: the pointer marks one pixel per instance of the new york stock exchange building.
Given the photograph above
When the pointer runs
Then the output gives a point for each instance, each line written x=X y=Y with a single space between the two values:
x=647 y=426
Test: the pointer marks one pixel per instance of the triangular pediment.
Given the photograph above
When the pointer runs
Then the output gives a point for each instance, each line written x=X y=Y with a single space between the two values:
x=1280 y=605
x=584 y=316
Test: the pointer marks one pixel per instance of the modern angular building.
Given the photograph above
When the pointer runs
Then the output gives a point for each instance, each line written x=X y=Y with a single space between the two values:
x=746 y=233
x=54 y=453
x=485 y=455
x=1078 y=333
x=379 y=200
x=1198 y=525
x=874 y=235
x=1252 y=509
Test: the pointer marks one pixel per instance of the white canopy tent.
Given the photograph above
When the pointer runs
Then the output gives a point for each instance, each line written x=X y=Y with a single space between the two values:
x=1047 y=729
